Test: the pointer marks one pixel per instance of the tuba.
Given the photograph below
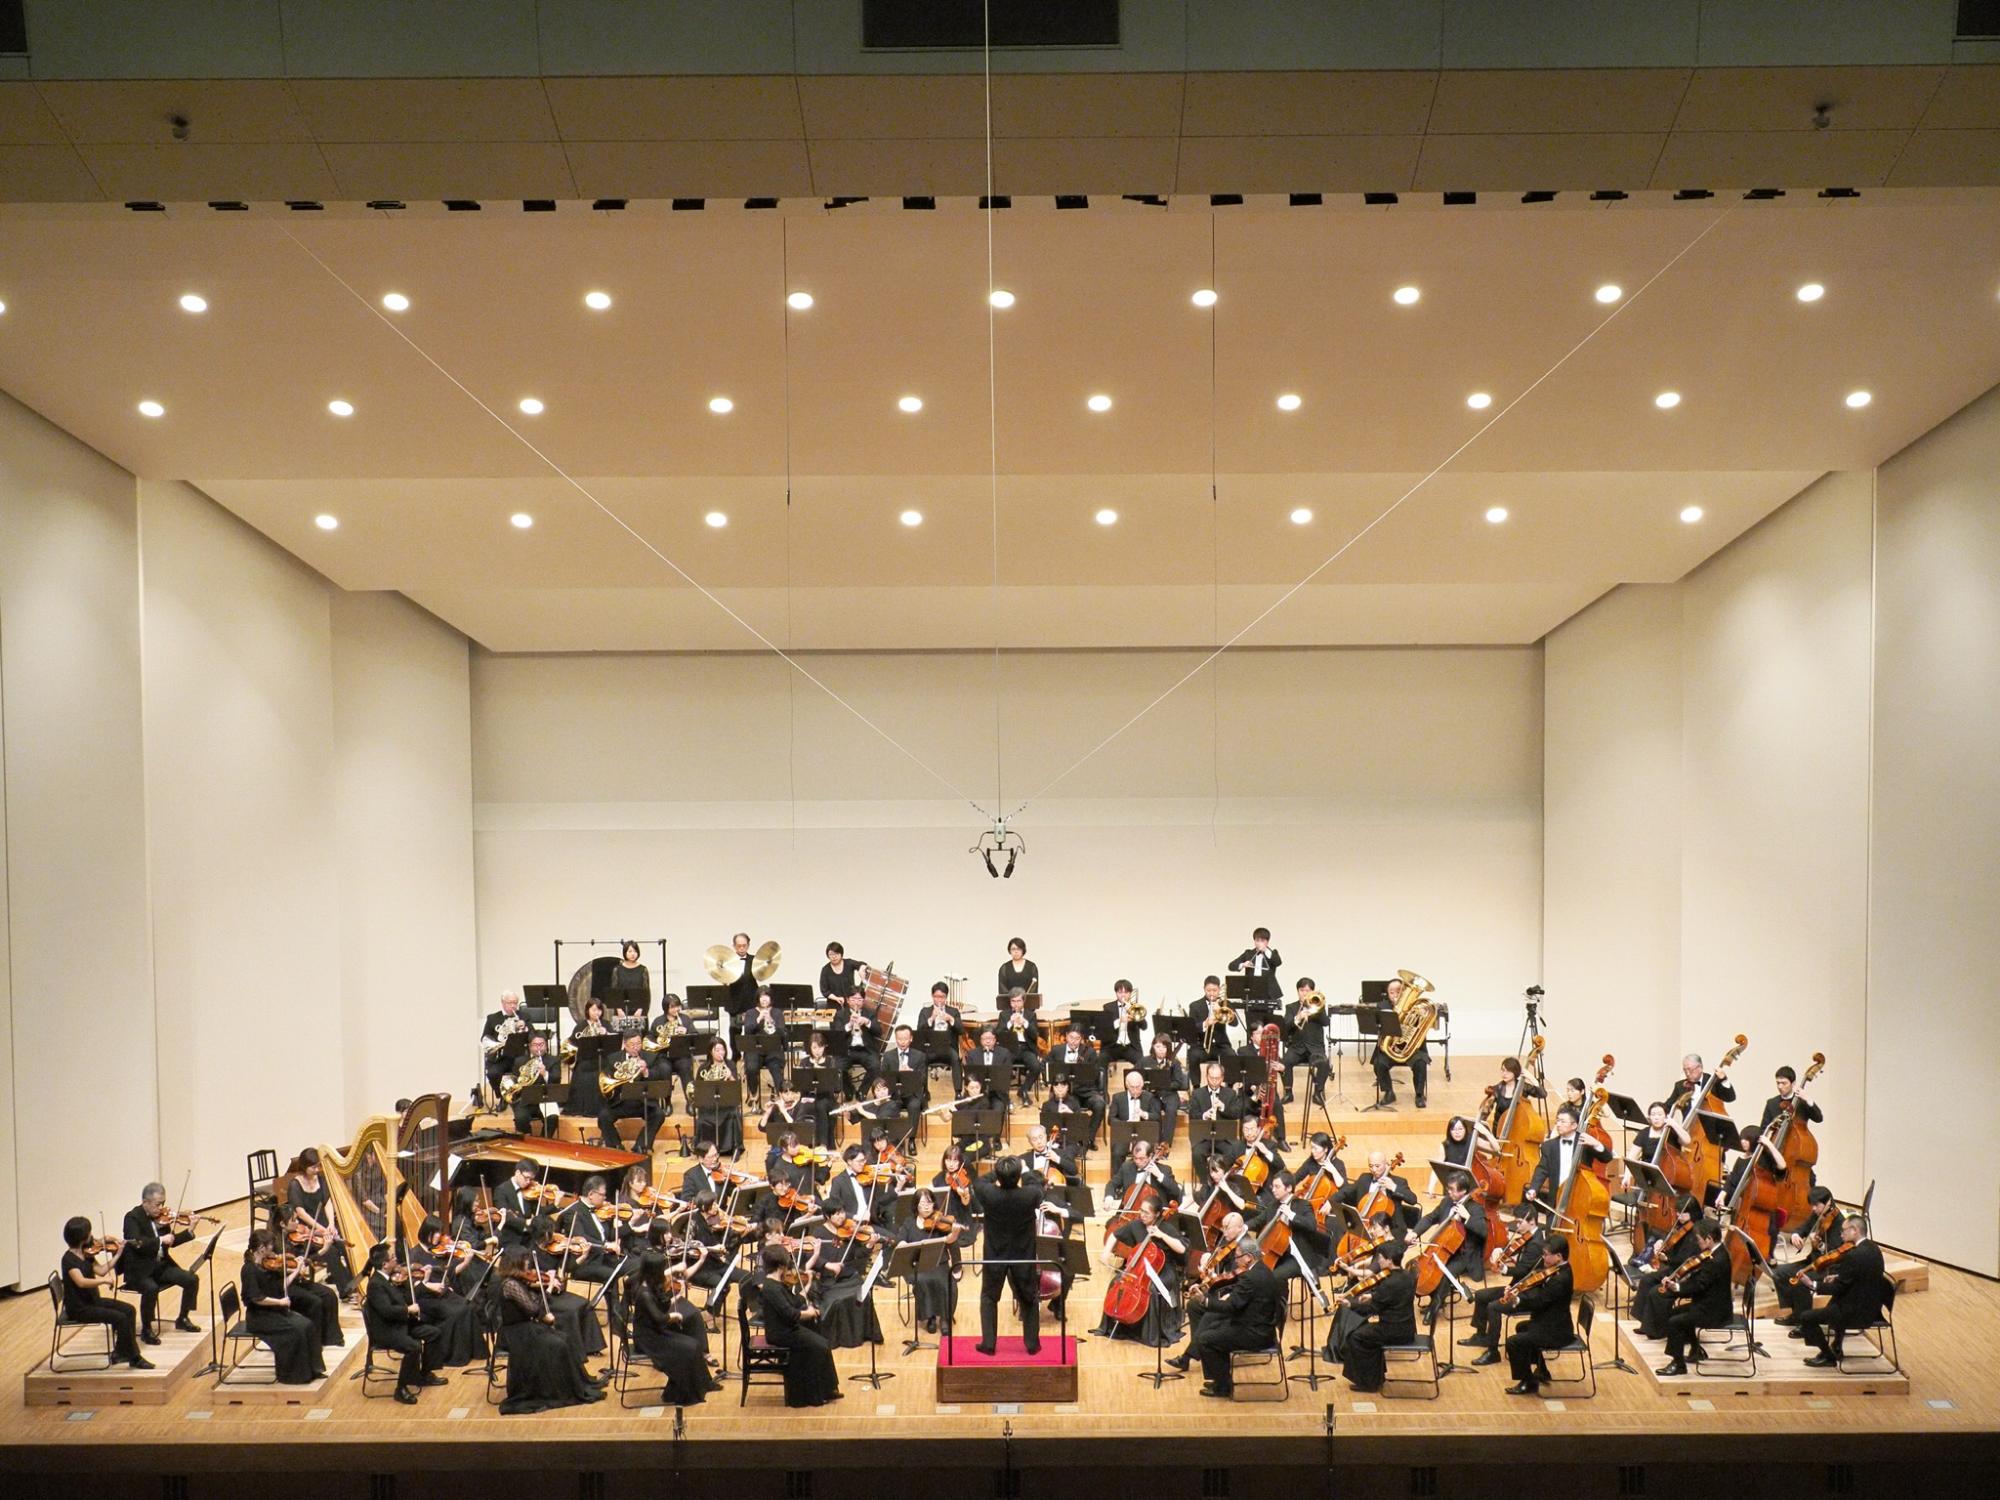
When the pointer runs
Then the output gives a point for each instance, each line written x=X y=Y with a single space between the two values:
x=1414 y=1016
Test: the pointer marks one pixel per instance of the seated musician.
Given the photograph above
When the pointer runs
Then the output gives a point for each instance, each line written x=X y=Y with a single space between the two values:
x=1256 y=1146
x=443 y=1270
x=1164 y=1322
x=881 y=1103
x=631 y=1068
x=1386 y=1187
x=1547 y=1326
x=1526 y=1259
x=395 y=1323
x=1321 y=1159
x=1278 y=1203
x=989 y=1054
x=705 y=1176
x=1065 y=1119
x=788 y=1113
x=1663 y=1255
x=1468 y=1262
x=1169 y=1088
x=150 y=1234
x=799 y=1178
x=310 y=1224
x=1208 y=1268
x=534 y=1069
x=664 y=1329
x=271 y=1311
x=906 y=1069
x=1133 y=1103
x=1210 y=1041
x=940 y=1024
x=1022 y=1034
x=1853 y=1283
x=848 y=1249
x=1124 y=1045
x=838 y=978
x=1564 y=1154
x=1141 y=1164
x=952 y=1184
x=515 y=1208
x=1045 y=1157
x=1305 y=1043
x=1240 y=1314
x=605 y=1263
x=1086 y=1074
x=714 y=1239
x=791 y=1323
x=724 y=1124
x=864 y=1202
x=823 y=1102
x=1213 y=1101
x=1419 y=1063
x=936 y=1216
x=501 y=1024
x=1700 y=1293
x=1390 y=1305
x=856 y=1033
x=1659 y=1124
x=1752 y=1150
x=666 y=1062
x=574 y=1320
x=584 y=1096
x=1818 y=1234
x=762 y=1034
x=84 y=1279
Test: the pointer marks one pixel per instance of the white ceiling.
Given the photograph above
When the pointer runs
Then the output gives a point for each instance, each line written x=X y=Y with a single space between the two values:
x=423 y=480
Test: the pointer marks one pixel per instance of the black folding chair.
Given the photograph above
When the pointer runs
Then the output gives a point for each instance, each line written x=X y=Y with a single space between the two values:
x=60 y=1340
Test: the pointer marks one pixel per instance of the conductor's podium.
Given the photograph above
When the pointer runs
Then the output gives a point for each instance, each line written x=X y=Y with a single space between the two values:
x=1010 y=1373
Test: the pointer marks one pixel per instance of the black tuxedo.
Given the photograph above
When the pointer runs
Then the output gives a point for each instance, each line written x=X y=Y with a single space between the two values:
x=1469 y=1260
x=513 y=1227
x=1125 y=1045
x=1241 y=1314
x=393 y=1325
x=1305 y=1044
x=898 y=1064
x=496 y=1061
x=696 y=1179
x=1405 y=1210
x=1122 y=1179
x=149 y=1269
x=1547 y=1325
x=1721 y=1093
x=1858 y=1287
x=1548 y=1179
x=1125 y=1107
x=1009 y=1218
x=1263 y=985
x=844 y=1192
x=1219 y=1041
x=941 y=1045
x=1804 y=1109
x=1705 y=1291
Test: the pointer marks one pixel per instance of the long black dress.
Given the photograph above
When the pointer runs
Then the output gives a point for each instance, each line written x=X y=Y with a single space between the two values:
x=659 y=1333
x=810 y=1376
x=456 y=1319
x=845 y=1319
x=574 y=1317
x=1165 y=1322
x=312 y=1202
x=543 y=1371
x=936 y=1291
x=291 y=1337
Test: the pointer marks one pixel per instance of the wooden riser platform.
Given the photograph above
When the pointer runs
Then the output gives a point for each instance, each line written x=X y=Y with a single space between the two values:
x=257 y=1390
x=175 y=1355
x=1010 y=1375
x=1781 y=1371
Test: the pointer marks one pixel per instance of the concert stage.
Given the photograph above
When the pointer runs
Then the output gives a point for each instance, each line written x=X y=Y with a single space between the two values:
x=1010 y=1374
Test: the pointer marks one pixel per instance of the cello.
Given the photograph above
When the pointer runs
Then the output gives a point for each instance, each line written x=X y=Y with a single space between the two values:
x=1320 y=1188
x=1520 y=1133
x=1374 y=1204
x=1130 y=1295
x=1585 y=1201
x=1142 y=1190
x=1440 y=1243
x=1704 y=1157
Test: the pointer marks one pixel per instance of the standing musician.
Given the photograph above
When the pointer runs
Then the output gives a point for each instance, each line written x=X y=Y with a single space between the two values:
x=501 y=1024
x=1854 y=1279
x=151 y=1232
x=905 y=1068
x=1563 y=1154
x=941 y=1024
x=1173 y=1097
x=1127 y=1020
x=1141 y=1164
x=1260 y=961
x=762 y=1041
x=1486 y=1306
x=857 y=1045
x=534 y=1069
x=630 y=983
x=1464 y=1138
x=1820 y=1233
x=86 y=1268
x=1240 y=1314
x=1691 y=1079
x=1018 y=1029
x=1500 y=1095
x=1211 y=1040
x=1664 y=1256
x=631 y=1067
x=1788 y=1095
x=584 y=1096
x=1419 y=1063
x=310 y=1223
x=1388 y=1298
x=741 y=966
x=1019 y=973
x=395 y=1322
x=1387 y=1187
x=594 y=1219
x=1214 y=1100
x=1305 y=1032
x=1468 y=1261
x=1164 y=1321
x=1007 y=1209
x=267 y=1285
x=838 y=979
x=1544 y=1295
x=1700 y=1292
x=1660 y=1125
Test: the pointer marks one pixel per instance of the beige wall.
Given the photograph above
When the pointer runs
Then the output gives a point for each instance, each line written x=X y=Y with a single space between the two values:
x=81 y=1002
x=1376 y=809
x=1934 y=945
x=402 y=808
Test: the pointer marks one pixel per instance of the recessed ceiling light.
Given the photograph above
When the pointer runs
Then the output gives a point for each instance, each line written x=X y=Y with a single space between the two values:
x=716 y=519
x=341 y=408
x=1858 y=399
x=910 y=403
x=1000 y=297
x=530 y=406
x=1107 y=517
x=1495 y=514
x=191 y=302
x=395 y=302
x=1288 y=402
x=1690 y=514
x=1667 y=400
x=722 y=406
x=597 y=301
x=1099 y=403
x=1204 y=298
x=799 y=301
x=1609 y=293
x=1812 y=291
x=1301 y=516
x=3 y=307
x=1406 y=295
x=1479 y=400
x=151 y=409
x=522 y=520
x=326 y=523
x=912 y=518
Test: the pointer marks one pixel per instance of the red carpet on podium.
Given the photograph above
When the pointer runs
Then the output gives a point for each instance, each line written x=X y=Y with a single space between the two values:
x=964 y=1353
x=1009 y=1373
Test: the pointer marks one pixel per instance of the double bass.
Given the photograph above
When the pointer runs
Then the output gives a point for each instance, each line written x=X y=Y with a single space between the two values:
x=1596 y=1130
x=1584 y=1200
x=1520 y=1133
x=1704 y=1157
x=1800 y=1149
x=1130 y=1295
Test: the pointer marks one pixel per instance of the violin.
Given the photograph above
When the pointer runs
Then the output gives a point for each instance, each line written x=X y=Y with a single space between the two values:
x=572 y=1244
x=939 y=1224
x=1820 y=1263
x=272 y=1260
x=610 y=1211
x=175 y=1223
x=853 y=1230
x=1533 y=1278
x=722 y=1223
x=1364 y=1285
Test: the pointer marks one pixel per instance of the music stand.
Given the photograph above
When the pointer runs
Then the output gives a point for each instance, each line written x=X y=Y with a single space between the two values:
x=1241 y=1070
x=715 y=1098
x=1179 y=1030
x=907 y=1262
x=977 y=1124
x=791 y=996
x=1209 y=1133
x=1617 y=1276
x=995 y=1079
x=873 y=1378
x=214 y=1365
x=1236 y=989
x=1380 y=1017
x=1124 y=1132
x=535 y=1095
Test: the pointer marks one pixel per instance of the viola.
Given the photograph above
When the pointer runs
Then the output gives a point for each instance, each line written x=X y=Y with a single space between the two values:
x=1533 y=1278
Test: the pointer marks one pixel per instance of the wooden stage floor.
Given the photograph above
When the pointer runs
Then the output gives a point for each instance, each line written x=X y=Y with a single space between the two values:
x=1949 y=1412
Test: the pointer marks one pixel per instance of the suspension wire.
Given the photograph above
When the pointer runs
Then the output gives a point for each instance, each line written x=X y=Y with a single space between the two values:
x=619 y=521
x=992 y=397
x=1215 y=574
x=791 y=636
x=1393 y=507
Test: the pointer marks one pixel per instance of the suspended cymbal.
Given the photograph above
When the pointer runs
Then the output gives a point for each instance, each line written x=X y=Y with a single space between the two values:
x=769 y=955
x=715 y=958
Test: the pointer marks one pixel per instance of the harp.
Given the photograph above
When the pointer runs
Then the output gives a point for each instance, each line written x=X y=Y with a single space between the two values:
x=395 y=1161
